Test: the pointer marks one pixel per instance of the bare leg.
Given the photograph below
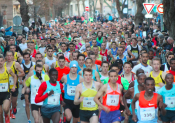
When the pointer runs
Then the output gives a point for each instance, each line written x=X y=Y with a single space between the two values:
x=35 y=116
x=46 y=120
x=94 y=119
x=27 y=106
x=1 y=114
x=68 y=114
x=56 y=117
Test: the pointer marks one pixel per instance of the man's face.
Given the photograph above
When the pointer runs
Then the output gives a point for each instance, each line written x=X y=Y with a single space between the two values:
x=87 y=76
x=103 y=46
x=42 y=43
x=30 y=37
x=113 y=77
x=149 y=86
x=61 y=62
x=63 y=47
x=93 y=57
x=81 y=60
x=172 y=64
x=11 y=41
x=95 y=50
x=134 y=42
x=169 y=79
x=144 y=58
x=53 y=76
x=128 y=42
x=151 y=55
x=52 y=42
x=32 y=46
x=1 y=62
x=88 y=63
x=73 y=70
x=127 y=68
x=13 y=48
x=26 y=58
x=71 y=47
x=120 y=51
x=74 y=55
x=114 y=45
x=9 y=56
x=38 y=57
x=23 y=40
x=39 y=69
x=116 y=69
x=50 y=52
x=105 y=67
x=141 y=79
x=94 y=42
x=156 y=65
x=170 y=57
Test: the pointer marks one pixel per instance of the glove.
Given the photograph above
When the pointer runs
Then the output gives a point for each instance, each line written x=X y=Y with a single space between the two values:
x=39 y=75
x=22 y=96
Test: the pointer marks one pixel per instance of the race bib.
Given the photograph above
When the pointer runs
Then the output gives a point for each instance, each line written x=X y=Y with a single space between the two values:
x=71 y=90
x=88 y=102
x=53 y=99
x=128 y=101
x=4 y=87
x=34 y=90
x=147 y=113
x=112 y=100
x=170 y=102
x=11 y=81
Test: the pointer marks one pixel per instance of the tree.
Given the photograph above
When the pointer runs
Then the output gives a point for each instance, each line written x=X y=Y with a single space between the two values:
x=24 y=12
x=120 y=10
x=169 y=18
x=139 y=16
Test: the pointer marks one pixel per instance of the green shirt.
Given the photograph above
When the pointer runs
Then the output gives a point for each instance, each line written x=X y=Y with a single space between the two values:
x=69 y=38
x=28 y=81
x=36 y=46
x=124 y=82
x=100 y=41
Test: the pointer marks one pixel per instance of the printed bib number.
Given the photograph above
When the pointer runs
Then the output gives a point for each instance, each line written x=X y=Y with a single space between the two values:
x=88 y=102
x=147 y=113
x=11 y=81
x=34 y=90
x=53 y=99
x=4 y=87
x=128 y=101
x=71 y=90
x=112 y=100
x=170 y=102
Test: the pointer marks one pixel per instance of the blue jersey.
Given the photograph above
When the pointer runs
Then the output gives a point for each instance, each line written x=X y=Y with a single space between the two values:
x=168 y=97
x=70 y=86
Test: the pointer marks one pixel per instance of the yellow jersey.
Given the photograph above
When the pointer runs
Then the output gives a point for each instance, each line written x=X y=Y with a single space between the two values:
x=56 y=65
x=88 y=101
x=4 y=81
x=16 y=56
x=11 y=80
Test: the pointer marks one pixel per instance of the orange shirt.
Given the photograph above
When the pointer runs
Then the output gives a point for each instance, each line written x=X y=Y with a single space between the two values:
x=65 y=70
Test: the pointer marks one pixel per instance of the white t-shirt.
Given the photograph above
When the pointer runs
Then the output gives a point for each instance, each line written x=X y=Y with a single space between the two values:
x=27 y=66
x=146 y=69
x=23 y=46
x=42 y=49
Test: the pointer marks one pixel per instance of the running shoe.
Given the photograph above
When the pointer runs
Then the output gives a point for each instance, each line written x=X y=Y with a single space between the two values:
x=29 y=121
x=13 y=116
x=7 y=119
x=14 y=110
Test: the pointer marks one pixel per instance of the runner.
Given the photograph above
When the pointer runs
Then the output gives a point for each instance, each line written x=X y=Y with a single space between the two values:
x=33 y=83
x=111 y=94
x=50 y=93
x=95 y=75
x=157 y=74
x=172 y=65
x=16 y=68
x=5 y=101
x=93 y=57
x=113 y=50
x=104 y=73
x=131 y=93
x=143 y=65
x=49 y=59
x=166 y=66
x=168 y=94
x=81 y=61
x=84 y=95
x=71 y=81
x=16 y=54
x=149 y=102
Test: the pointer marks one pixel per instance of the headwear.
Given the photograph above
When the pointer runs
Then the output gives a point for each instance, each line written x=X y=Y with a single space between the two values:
x=73 y=64
x=2 y=28
x=119 y=61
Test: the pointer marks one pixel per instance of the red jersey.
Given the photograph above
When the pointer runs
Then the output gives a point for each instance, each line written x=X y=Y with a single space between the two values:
x=98 y=62
x=105 y=53
x=112 y=98
x=65 y=70
x=34 y=53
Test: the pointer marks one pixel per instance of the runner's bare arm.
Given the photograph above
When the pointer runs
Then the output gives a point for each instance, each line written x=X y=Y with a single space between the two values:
x=97 y=77
x=130 y=53
x=133 y=103
x=77 y=101
x=81 y=79
x=161 y=105
x=19 y=69
x=64 y=79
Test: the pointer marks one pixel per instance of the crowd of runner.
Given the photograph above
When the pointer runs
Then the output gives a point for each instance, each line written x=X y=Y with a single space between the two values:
x=88 y=72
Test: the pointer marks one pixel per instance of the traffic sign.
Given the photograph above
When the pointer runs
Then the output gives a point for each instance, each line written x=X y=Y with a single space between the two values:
x=160 y=8
x=18 y=29
x=17 y=20
x=86 y=8
x=148 y=7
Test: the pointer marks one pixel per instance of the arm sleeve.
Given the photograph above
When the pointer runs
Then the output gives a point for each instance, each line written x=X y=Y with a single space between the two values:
x=125 y=83
x=39 y=96
x=28 y=82
x=19 y=49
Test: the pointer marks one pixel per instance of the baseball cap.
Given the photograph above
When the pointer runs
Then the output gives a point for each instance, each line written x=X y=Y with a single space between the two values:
x=74 y=64
x=2 y=28
x=119 y=61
